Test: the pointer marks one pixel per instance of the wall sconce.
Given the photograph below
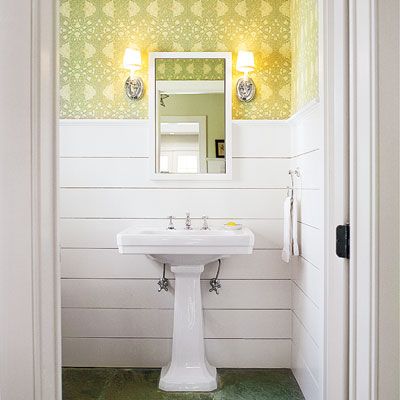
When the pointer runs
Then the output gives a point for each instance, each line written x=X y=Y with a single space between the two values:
x=245 y=87
x=134 y=85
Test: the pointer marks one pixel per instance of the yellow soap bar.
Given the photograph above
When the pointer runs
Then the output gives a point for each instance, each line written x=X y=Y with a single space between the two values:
x=231 y=223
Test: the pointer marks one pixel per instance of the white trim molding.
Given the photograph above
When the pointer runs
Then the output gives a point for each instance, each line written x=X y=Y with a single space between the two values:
x=45 y=254
x=363 y=201
x=336 y=198
x=29 y=275
x=388 y=59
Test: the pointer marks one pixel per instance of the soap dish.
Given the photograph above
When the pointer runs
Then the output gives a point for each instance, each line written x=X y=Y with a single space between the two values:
x=237 y=227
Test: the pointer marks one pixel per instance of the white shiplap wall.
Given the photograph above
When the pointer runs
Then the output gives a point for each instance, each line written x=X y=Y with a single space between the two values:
x=112 y=312
x=308 y=269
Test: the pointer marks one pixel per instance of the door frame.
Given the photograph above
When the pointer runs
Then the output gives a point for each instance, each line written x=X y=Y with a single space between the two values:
x=336 y=114
x=352 y=150
x=46 y=310
x=46 y=285
x=202 y=136
x=362 y=101
x=363 y=281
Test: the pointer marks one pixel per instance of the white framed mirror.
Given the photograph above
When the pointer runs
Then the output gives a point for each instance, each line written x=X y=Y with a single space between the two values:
x=190 y=112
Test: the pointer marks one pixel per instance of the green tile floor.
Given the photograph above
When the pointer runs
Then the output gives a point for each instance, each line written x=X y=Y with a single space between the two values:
x=142 y=384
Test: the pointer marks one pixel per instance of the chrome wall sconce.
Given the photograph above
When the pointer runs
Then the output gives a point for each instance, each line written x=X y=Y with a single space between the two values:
x=134 y=85
x=245 y=86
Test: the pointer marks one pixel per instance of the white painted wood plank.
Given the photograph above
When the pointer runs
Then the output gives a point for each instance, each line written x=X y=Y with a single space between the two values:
x=308 y=137
x=275 y=324
x=158 y=203
x=113 y=352
x=310 y=207
x=102 y=233
x=303 y=376
x=223 y=353
x=307 y=348
x=311 y=169
x=308 y=132
x=133 y=293
x=135 y=172
x=262 y=139
x=311 y=244
x=154 y=323
x=248 y=353
x=307 y=312
x=128 y=323
x=308 y=278
x=104 y=138
x=129 y=138
x=108 y=263
x=262 y=264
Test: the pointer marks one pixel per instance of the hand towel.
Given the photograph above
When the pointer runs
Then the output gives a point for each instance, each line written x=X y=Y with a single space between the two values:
x=287 y=230
x=295 y=245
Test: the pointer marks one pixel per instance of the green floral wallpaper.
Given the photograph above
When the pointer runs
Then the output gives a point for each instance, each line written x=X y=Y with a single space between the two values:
x=95 y=33
x=189 y=69
x=304 y=47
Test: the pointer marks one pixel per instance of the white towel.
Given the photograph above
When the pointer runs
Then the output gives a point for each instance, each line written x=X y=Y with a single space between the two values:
x=295 y=245
x=287 y=230
x=290 y=244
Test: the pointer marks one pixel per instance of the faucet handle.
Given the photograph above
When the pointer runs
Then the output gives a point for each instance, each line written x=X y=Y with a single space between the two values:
x=205 y=226
x=171 y=222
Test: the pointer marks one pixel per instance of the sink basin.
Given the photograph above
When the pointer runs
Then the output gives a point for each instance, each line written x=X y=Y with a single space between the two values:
x=185 y=247
x=187 y=251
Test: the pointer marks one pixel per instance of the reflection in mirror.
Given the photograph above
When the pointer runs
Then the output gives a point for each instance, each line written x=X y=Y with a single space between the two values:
x=190 y=115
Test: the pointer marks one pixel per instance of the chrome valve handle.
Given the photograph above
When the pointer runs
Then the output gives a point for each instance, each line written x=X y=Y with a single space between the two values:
x=205 y=226
x=163 y=283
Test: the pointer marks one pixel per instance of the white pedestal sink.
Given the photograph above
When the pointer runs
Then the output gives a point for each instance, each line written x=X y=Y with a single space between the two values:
x=187 y=251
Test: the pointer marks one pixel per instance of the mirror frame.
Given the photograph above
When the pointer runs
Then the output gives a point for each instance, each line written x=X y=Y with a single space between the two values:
x=153 y=56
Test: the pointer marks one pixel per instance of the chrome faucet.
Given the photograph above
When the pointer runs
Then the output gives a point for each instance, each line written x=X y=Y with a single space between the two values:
x=171 y=223
x=188 y=223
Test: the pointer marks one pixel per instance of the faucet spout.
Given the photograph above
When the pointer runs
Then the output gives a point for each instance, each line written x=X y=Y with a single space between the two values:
x=188 y=223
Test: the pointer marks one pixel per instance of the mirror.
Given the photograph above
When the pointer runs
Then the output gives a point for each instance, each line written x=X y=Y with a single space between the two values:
x=190 y=112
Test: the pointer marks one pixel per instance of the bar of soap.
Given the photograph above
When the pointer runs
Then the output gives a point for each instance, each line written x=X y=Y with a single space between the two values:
x=231 y=225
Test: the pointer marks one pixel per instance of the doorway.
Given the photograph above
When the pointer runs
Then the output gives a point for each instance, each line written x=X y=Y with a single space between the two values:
x=47 y=281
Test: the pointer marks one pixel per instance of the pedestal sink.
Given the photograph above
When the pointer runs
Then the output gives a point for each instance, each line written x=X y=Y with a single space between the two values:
x=187 y=251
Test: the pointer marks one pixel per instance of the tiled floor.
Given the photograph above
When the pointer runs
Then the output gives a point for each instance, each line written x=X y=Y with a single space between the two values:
x=142 y=384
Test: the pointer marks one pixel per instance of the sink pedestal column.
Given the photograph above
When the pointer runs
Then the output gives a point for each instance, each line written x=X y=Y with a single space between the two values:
x=188 y=369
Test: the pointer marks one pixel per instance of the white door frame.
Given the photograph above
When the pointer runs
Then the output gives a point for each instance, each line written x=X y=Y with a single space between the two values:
x=46 y=255
x=388 y=92
x=335 y=84
x=202 y=136
x=374 y=203
x=363 y=201
x=29 y=294
x=47 y=335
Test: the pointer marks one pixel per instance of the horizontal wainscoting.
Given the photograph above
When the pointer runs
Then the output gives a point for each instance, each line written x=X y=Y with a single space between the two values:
x=134 y=173
x=157 y=323
x=158 y=203
x=112 y=313
x=94 y=263
x=308 y=269
x=222 y=353
x=142 y=293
